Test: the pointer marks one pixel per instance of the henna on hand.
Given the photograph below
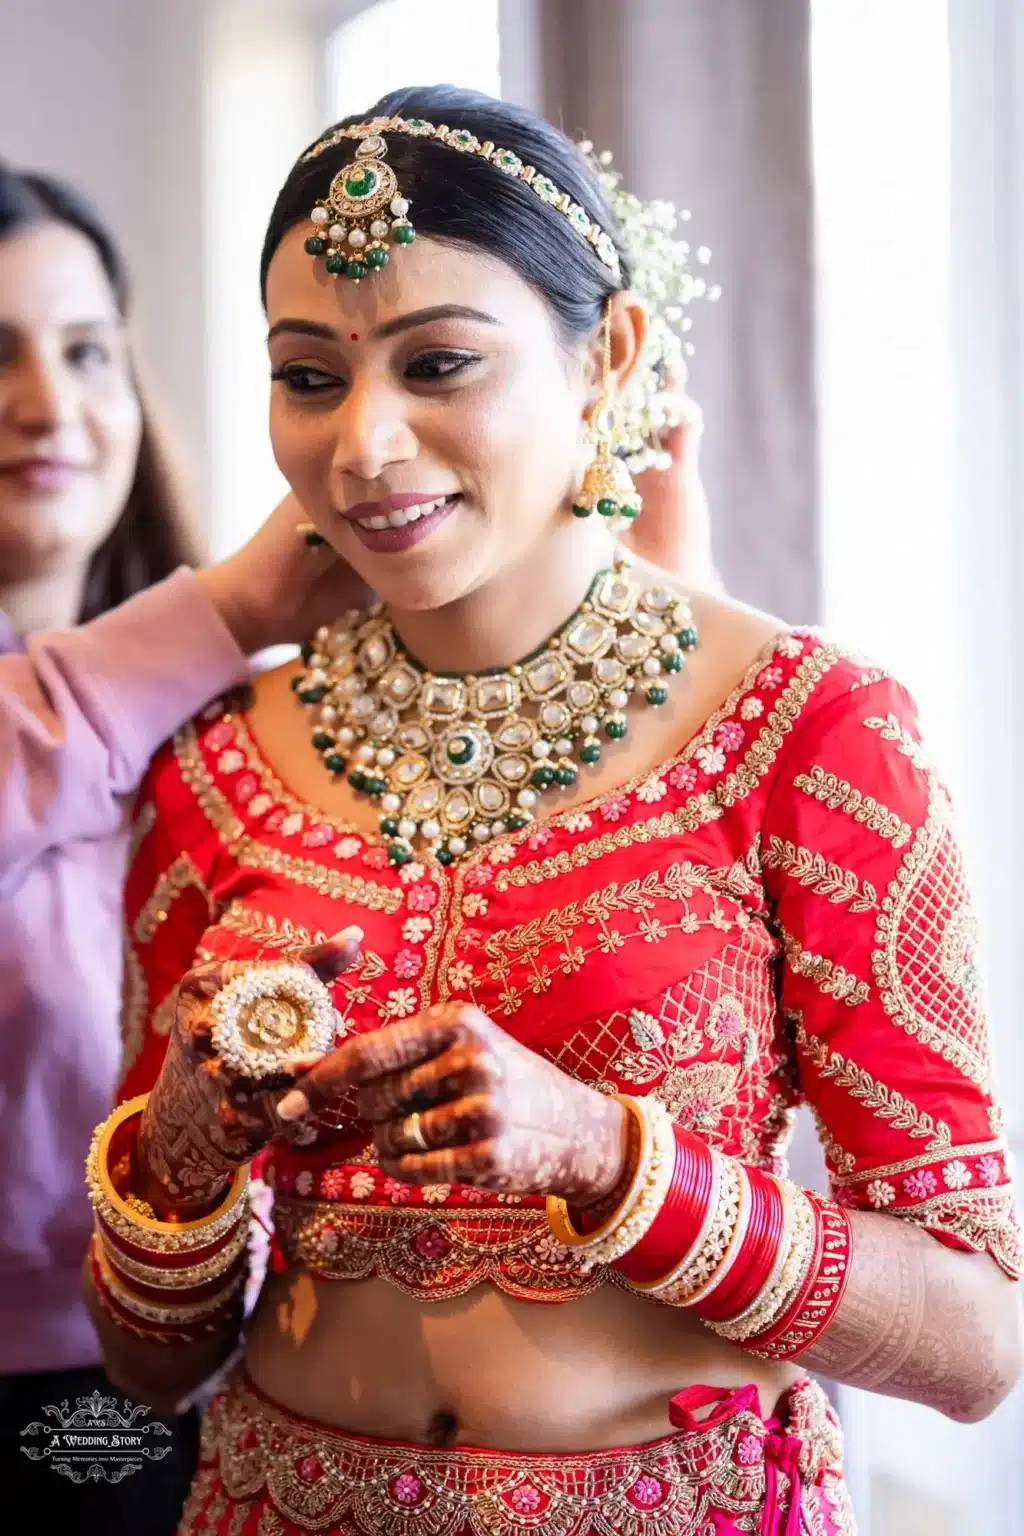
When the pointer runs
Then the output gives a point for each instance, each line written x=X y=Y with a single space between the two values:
x=491 y=1112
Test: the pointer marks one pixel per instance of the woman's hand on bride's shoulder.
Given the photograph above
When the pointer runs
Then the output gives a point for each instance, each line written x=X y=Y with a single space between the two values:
x=204 y=1120
x=453 y=1099
x=276 y=589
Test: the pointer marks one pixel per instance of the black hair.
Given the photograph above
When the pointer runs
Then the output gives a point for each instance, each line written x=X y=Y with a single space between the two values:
x=460 y=199
x=154 y=533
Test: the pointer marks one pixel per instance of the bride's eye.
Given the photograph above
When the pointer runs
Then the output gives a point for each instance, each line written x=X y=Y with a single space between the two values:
x=304 y=379
x=439 y=365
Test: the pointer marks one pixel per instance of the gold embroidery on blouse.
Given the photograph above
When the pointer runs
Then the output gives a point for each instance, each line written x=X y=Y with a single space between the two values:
x=134 y=1006
x=839 y=795
x=984 y=1219
x=893 y=729
x=926 y=915
x=923 y=1160
x=181 y=876
x=831 y=977
x=887 y=1103
x=813 y=870
x=142 y=825
x=272 y=932
x=842 y=1161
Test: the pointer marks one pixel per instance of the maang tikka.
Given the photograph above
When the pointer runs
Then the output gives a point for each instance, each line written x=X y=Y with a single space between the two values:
x=607 y=487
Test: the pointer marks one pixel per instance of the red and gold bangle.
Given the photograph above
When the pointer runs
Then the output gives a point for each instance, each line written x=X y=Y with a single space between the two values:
x=788 y=1274
x=132 y=1322
x=715 y=1241
x=637 y=1211
x=818 y=1299
x=756 y=1258
x=174 y=1315
x=175 y=1276
x=682 y=1213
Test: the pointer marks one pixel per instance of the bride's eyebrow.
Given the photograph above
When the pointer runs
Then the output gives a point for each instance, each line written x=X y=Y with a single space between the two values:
x=389 y=327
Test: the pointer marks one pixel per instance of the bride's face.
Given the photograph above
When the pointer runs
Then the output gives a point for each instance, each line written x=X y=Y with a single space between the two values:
x=429 y=418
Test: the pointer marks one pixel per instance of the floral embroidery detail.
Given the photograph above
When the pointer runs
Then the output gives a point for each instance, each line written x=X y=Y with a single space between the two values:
x=259 y=804
x=989 y=1170
x=318 y=836
x=292 y=824
x=647 y=1491
x=232 y=761
x=408 y=964
x=683 y=776
x=376 y=857
x=222 y=733
x=400 y=1003
x=471 y=938
x=274 y=820
x=751 y=707
x=409 y=874
x=436 y=1194
x=347 y=848
x=919 y=1185
x=956 y=1175
x=726 y=1025
x=771 y=677
x=246 y=787
x=578 y=822
x=422 y=898
x=880 y=1193
x=362 y=1185
x=526 y=1499
x=475 y=905
x=407 y=1488
x=711 y=759
x=415 y=929
x=651 y=790
x=304 y=1182
x=396 y=1191
x=749 y=1450
x=614 y=810
x=459 y=976
x=479 y=878
x=310 y=1469
x=332 y=1183
x=730 y=735
x=502 y=853
x=539 y=839
x=474 y=1196
x=789 y=646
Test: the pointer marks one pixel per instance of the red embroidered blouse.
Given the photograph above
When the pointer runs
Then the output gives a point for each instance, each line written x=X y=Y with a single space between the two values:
x=778 y=913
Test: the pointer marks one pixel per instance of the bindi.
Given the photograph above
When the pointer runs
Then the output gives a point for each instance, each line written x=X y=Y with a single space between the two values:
x=355 y=335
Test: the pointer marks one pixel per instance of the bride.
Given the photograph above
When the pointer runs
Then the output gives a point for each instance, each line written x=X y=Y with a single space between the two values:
x=503 y=932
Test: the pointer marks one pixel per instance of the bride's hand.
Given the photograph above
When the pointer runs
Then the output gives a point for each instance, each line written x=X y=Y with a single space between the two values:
x=202 y=1121
x=488 y=1111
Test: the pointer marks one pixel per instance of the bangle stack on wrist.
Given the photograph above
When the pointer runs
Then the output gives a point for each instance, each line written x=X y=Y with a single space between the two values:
x=166 y=1281
x=761 y=1261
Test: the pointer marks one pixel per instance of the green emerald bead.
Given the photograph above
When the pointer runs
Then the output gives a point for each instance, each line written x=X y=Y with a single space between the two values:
x=362 y=184
x=334 y=762
x=565 y=776
x=615 y=729
x=356 y=269
x=590 y=752
x=673 y=662
x=542 y=778
x=315 y=246
x=357 y=778
x=656 y=694
x=297 y=681
x=336 y=264
x=314 y=539
x=399 y=853
x=687 y=639
x=312 y=695
x=629 y=512
x=375 y=787
x=607 y=507
x=579 y=511
x=517 y=822
x=377 y=258
x=322 y=741
x=404 y=234
x=389 y=826
x=307 y=652
x=445 y=856
x=461 y=749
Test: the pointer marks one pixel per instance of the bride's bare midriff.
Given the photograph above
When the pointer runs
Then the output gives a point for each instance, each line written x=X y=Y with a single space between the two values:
x=486 y=1369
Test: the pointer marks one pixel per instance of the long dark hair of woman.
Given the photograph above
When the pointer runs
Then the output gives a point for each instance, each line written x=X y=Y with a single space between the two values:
x=155 y=532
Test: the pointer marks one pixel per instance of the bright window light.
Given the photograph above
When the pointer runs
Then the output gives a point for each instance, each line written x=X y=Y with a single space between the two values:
x=412 y=42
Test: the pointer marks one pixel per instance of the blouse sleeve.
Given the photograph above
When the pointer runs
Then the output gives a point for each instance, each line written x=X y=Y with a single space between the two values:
x=83 y=711
x=880 y=987
x=168 y=905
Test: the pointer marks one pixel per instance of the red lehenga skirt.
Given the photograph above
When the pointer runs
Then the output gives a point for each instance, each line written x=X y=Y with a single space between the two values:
x=725 y=1470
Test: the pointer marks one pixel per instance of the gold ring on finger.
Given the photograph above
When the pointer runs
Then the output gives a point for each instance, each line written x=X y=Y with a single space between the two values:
x=412 y=1134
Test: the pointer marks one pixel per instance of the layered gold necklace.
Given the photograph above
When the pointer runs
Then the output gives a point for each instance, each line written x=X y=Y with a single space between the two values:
x=454 y=760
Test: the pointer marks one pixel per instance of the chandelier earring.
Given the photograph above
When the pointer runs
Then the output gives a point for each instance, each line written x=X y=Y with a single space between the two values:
x=607 y=487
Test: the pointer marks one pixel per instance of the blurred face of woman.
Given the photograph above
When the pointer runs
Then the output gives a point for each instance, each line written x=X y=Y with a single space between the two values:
x=429 y=419
x=69 y=414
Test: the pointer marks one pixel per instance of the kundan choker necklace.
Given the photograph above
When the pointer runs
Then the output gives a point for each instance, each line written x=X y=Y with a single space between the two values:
x=454 y=760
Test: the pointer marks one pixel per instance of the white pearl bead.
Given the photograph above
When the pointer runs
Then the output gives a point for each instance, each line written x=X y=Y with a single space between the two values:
x=406 y=827
x=386 y=756
x=431 y=829
x=527 y=798
x=337 y=233
x=563 y=746
x=457 y=845
x=357 y=238
x=379 y=229
x=590 y=723
x=481 y=832
x=328 y=714
x=669 y=643
x=618 y=698
x=652 y=667
x=399 y=207
x=542 y=749
x=365 y=754
x=498 y=827
x=391 y=803
x=346 y=736
x=319 y=215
